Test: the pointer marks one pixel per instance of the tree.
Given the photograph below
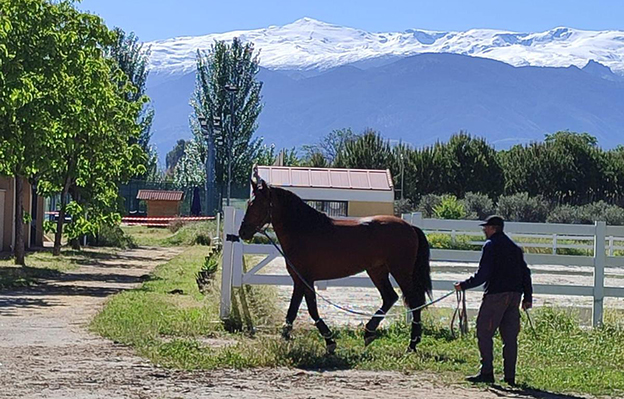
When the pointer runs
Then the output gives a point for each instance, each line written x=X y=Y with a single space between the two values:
x=473 y=166
x=189 y=170
x=98 y=126
x=175 y=155
x=326 y=151
x=38 y=59
x=368 y=151
x=133 y=60
x=229 y=66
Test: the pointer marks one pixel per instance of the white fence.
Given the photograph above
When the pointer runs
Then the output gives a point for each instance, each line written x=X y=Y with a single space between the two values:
x=599 y=239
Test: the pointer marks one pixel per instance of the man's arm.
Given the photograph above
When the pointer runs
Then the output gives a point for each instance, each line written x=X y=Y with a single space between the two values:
x=484 y=272
x=527 y=285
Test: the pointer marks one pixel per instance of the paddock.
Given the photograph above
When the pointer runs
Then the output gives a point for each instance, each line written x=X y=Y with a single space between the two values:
x=590 y=279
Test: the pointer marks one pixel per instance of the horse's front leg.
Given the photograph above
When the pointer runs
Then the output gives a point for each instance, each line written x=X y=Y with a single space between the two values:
x=326 y=333
x=291 y=315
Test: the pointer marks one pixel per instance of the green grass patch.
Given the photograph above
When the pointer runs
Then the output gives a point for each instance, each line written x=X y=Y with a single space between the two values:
x=183 y=331
x=195 y=233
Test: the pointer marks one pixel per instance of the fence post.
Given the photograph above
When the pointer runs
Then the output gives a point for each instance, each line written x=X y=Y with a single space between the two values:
x=554 y=248
x=226 y=269
x=599 y=265
x=417 y=219
x=237 y=252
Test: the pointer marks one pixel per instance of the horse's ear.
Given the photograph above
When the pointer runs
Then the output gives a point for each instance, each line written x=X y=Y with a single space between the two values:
x=255 y=178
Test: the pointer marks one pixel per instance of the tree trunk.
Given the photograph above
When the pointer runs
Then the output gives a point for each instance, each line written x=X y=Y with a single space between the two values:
x=19 y=222
x=61 y=219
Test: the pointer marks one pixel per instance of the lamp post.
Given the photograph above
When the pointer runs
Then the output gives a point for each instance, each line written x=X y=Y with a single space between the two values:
x=210 y=161
x=402 y=174
x=232 y=90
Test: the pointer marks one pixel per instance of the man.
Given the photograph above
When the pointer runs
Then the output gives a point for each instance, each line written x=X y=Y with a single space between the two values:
x=506 y=276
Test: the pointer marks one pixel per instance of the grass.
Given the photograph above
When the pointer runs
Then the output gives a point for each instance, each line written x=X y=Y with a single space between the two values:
x=184 y=331
x=42 y=264
x=190 y=234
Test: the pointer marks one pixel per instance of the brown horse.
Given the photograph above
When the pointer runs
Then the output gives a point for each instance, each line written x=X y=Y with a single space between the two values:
x=322 y=248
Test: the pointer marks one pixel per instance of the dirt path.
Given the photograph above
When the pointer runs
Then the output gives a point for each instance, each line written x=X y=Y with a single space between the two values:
x=47 y=352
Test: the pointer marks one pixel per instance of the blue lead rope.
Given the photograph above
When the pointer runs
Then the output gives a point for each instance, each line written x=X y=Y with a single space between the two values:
x=409 y=311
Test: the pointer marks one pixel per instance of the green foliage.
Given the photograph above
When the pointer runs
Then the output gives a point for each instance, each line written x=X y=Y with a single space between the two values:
x=175 y=155
x=368 y=151
x=472 y=165
x=445 y=241
x=478 y=206
x=198 y=233
x=127 y=50
x=113 y=236
x=428 y=203
x=190 y=170
x=449 y=208
x=403 y=206
x=588 y=214
x=229 y=65
x=567 y=168
x=324 y=153
x=522 y=208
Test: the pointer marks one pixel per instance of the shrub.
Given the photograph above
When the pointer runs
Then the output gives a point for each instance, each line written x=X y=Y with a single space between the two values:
x=176 y=224
x=588 y=214
x=194 y=233
x=478 y=206
x=113 y=236
x=208 y=270
x=566 y=214
x=601 y=211
x=445 y=241
x=450 y=208
x=428 y=203
x=520 y=207
x=402 y=206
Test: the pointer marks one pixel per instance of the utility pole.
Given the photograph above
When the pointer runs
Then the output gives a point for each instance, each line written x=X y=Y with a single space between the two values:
x=211 y=208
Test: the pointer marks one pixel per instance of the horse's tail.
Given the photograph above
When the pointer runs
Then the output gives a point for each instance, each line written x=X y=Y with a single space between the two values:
x=422 y=270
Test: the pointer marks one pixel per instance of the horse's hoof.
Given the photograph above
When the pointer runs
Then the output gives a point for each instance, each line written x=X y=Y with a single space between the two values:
x=369 y=337
x=330 y=349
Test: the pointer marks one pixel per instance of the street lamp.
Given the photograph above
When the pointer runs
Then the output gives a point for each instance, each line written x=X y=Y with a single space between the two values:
x=210 y=160
x=402 y=173
x=232 y=90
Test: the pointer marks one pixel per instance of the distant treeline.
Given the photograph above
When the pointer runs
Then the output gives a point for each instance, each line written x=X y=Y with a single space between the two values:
x=566 y=168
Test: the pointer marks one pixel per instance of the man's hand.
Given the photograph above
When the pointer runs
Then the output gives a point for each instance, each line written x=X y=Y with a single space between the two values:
x=527 y=305
x=457 y=286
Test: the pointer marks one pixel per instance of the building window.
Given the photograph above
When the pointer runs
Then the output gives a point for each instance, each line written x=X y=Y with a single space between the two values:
x=331 y=208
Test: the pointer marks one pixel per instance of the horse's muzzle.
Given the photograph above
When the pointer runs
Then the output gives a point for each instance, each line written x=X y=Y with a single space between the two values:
x=246 y=231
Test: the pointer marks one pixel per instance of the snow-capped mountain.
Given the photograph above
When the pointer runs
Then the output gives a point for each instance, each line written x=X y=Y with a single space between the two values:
x=311 y=44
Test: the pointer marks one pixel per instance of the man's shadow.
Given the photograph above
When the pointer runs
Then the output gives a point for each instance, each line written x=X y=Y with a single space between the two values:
x=529 y=392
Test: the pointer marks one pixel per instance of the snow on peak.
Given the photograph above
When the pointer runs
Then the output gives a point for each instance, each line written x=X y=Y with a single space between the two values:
x=308 y=43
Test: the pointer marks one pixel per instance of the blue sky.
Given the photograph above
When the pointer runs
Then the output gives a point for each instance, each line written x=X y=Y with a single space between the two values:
x=152 y=20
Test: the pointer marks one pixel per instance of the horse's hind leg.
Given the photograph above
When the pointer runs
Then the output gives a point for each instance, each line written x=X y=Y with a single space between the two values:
x=414 y=298
x=389 y=297
x=310 y=297
x=291 y=315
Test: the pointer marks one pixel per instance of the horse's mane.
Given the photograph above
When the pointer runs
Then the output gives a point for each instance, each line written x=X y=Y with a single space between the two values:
x=299 y=216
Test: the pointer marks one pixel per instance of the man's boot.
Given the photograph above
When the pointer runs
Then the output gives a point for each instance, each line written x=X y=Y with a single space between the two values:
x=481 y=377
x=511 y=381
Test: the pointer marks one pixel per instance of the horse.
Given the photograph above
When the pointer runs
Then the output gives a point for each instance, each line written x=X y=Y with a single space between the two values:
x=317 y=247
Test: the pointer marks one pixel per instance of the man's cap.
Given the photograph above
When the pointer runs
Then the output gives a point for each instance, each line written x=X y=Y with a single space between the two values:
x=493 y=221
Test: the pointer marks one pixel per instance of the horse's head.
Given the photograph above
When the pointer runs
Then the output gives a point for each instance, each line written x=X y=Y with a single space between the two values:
x=258 y=208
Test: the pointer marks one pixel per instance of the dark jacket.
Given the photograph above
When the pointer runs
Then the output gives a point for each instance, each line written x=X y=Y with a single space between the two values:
x=502 y=268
